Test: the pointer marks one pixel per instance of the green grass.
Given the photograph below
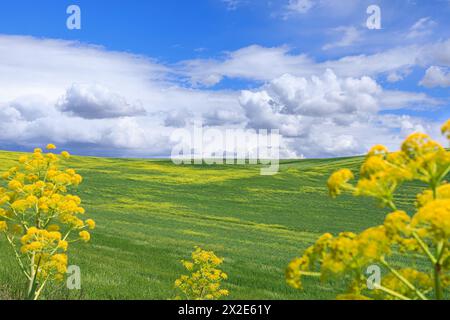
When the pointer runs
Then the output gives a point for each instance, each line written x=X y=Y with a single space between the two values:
x=150 y=215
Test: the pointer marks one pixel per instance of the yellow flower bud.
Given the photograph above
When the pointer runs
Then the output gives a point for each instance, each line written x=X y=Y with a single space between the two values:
x=51 y=147
x=91 y=224
x=3 y=226
x=85 y=236
x=65 y=155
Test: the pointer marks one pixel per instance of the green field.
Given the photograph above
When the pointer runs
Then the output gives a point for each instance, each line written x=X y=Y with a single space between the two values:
x=150 y=214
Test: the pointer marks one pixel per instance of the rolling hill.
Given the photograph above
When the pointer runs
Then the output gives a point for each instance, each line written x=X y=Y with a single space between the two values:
x=151 y=213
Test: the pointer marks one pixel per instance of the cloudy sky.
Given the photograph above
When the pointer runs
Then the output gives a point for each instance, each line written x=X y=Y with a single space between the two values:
x=138 y=70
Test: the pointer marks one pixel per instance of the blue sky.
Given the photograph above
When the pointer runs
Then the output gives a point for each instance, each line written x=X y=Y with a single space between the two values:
x=173 y=30
x=158 y=65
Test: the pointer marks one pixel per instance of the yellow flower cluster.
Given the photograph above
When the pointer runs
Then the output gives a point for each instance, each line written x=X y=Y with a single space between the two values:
x=339 y=181
x=205 y=279
x=426 y=233
x=332 y=257
x=38 y=217
x=382 y=172
x=40 y=241
x=51 y=266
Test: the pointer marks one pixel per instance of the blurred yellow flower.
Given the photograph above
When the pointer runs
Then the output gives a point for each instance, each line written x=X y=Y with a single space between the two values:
x=51 y=147
x=65 y=155
x=3 y=226
x=338 y=181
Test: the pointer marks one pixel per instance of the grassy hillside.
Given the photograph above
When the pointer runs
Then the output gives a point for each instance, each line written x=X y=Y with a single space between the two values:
x=150 y=214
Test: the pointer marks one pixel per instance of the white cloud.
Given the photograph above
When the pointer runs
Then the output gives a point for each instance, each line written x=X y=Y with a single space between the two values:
x=350 y=35
x=48 y=67
x=398 y=75
x=329 y=115
x=97 y=102
x=335 y=113
x=436 y=77
x=435 y=54
x=396 y=99
x=421 y=28
x=326 y=95
x=299 y=8
x=253 y=62
x=177 y=118
x=258 y=63
x=39 y=75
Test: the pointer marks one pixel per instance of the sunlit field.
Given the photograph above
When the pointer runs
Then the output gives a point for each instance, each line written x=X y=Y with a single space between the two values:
x=150 y=214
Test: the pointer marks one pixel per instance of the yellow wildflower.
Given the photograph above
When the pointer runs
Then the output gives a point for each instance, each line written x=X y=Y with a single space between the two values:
x=338 y=181
x=204 y=281
x=36 y=197
x=442 y=192
x=3 y=226
x=65 y=155
x=446 y=129
x=378 y=150
x=23 y=159
x=85 y=236
x=63 y=245
x=15 y=185
x=427 y=233
x=433 y=220
x=91 y=224
x=53 y=227
x=51 y=147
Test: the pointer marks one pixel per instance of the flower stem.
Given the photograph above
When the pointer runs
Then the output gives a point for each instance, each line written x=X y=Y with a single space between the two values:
x=404 y=280
x=425 y=248
x=437 y=271
x=391 y=292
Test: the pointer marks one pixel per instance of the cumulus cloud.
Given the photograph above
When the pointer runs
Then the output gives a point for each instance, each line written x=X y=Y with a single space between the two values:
x=223 y=117
x=177 y=118
x=30 y=107
x=97 y=102
x=327 y=114
x=326 y=95
x=318 y=112
x=294 y=104
x=39 y=102
x=436 y=77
